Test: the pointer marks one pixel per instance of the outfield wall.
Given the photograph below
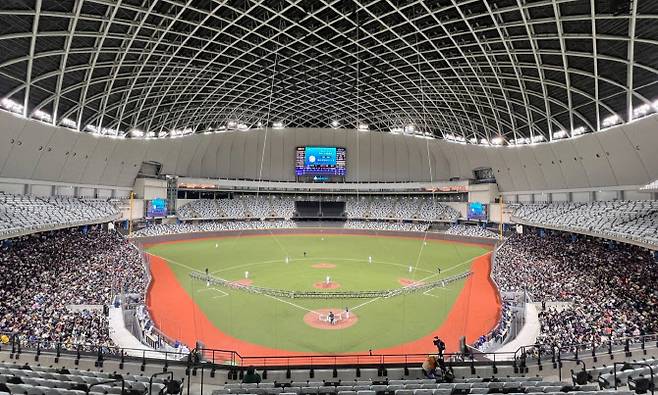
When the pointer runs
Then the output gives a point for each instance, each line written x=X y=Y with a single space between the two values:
x=145 y=241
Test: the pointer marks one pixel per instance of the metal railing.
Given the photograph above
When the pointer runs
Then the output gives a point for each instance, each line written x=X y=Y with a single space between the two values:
x=520 y=359
x=22 y=231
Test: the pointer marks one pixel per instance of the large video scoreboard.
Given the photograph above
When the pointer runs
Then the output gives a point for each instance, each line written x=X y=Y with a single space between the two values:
x=320 y=161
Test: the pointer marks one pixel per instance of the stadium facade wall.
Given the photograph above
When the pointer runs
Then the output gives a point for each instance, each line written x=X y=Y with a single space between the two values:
x=14 y=188
x=560 y=197
x=627 y=192
x=623 y=155
x=49 y=188
x=148 y=189
x=482 y=193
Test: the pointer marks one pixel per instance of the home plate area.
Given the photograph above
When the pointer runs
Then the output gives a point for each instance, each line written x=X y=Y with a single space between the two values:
x=319 y=319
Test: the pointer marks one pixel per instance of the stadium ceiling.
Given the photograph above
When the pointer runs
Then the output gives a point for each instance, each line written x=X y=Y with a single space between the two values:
x=472 y=71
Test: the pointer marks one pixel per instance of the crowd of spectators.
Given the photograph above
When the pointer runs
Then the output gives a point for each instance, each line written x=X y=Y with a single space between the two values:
x=471 y=231
x=54 y=285
x=610 y=289
x=500 y=331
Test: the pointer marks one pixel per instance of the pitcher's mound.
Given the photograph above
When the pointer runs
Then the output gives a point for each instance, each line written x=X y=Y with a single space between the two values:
x=323 y=265
x=244 y=281
x=407 y=282
x=324 y=285
x=319 y=319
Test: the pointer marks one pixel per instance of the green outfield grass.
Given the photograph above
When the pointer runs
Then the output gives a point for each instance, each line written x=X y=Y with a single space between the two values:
x=278 y=323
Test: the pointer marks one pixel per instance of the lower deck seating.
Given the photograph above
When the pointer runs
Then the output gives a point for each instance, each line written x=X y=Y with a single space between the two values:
x=27 y=379
x=466 y=386
x=41 y=380
x=627 y=374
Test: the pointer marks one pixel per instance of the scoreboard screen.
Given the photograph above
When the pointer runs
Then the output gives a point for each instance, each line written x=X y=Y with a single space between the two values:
x=329 y=161
x=156 y=208
x=477 y=211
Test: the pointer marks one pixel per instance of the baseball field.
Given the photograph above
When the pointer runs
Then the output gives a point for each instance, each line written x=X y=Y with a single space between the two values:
x=228 y=309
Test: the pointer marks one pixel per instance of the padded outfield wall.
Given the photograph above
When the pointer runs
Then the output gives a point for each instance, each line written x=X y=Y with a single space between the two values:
x=144 y=241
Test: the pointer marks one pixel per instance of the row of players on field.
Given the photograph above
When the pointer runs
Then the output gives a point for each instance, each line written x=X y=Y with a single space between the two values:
x=327 y=279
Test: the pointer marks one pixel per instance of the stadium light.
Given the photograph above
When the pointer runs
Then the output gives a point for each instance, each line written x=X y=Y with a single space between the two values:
x=231 y=124
x=243 y=127
x=180 y=132
x=277 y=125
x=12 y=106
x=42 y=116
x=611 y=120
x=69 y=123
x=137 y=133
x=396 y=130
x=578 y=131
x=259 y=124
x=641 y=111
x=102 y=131
x=363 y=127
x=655 y=105
x=426 y=135
x=537 y=139
x=410 y=129
x=473 y=140
x=560 y=134
x=497 y=140
x=335 y=124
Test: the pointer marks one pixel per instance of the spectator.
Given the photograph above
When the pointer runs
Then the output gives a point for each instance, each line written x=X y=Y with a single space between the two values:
x=606 y=293
x=251 y=377
x=55 y=279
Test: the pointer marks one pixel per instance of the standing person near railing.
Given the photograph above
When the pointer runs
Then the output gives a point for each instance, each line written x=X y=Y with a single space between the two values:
x=440 y=346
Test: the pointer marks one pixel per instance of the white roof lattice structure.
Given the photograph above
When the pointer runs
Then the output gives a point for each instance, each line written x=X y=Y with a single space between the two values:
x=474 y=71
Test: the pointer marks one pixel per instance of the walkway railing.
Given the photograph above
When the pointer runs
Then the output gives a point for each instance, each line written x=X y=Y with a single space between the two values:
x=520 y=359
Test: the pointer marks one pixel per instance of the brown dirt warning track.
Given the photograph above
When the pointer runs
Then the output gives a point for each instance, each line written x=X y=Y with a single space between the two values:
x=475 y=312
